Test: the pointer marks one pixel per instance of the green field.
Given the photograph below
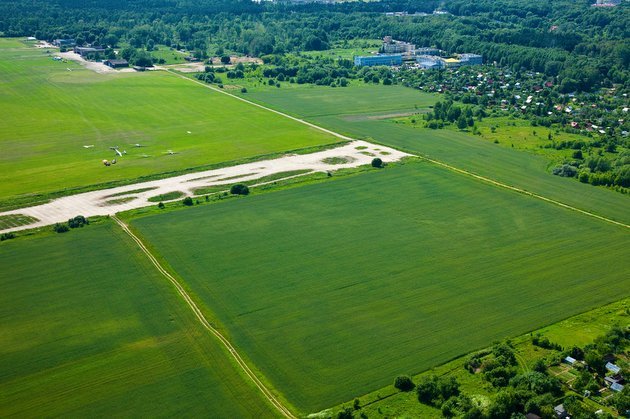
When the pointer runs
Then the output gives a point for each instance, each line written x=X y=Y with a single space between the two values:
x=579 y=330
x=91 y=330
x=333 y=289
x=50 y=113
x=352 y=111
x=357 y=102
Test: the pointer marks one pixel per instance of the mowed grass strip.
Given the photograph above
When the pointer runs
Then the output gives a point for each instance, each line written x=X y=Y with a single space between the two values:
x=335 y=288
x=51 y=110
x=341 y=109
x=91 y=329
x=316 y=101
x=15 y=220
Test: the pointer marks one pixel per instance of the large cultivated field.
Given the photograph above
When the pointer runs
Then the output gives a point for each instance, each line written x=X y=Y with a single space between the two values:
x=364 y=111
x=52 y=109
x=88 y=329
x=333 y=289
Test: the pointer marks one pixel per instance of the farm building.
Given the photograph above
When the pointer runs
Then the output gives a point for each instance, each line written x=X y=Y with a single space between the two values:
x=116 y=63
x=85 y=51
x=569 y=360
x=64 y=43
x=380 y=59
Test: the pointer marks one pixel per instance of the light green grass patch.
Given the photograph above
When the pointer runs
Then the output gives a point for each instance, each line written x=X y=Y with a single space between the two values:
x=59 y=125
x=118 y=201
x=365 y=99
x=15 y=220
x=395 y=271
x=170 y=56
x=168 y=196
x=131 y=192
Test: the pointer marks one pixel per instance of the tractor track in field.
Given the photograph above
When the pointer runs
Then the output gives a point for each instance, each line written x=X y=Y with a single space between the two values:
x=284 y=411
x=426 y=158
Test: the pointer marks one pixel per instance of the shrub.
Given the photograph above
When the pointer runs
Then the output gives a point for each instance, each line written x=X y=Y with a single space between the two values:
x=61 y=228
x=566 y=170
x=6 y=236
x=243 y=90
x=78 y=221
x=239 y=189
x=427 y=390
x=376 y=162
x=187 y=201
x=404 y=383
x=161 y=205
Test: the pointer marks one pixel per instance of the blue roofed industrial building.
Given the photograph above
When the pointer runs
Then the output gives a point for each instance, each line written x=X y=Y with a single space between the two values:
x=379 y=59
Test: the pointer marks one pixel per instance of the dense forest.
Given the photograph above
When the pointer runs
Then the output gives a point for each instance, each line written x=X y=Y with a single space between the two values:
x=585 y=47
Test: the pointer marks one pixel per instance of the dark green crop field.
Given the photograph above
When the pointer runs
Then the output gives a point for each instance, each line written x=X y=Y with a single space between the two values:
x=333 y=289
x=355 y=111
x=89 y=329
x=59 y=121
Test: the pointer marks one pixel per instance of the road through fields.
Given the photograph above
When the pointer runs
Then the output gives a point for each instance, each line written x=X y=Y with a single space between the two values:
x=204 y=322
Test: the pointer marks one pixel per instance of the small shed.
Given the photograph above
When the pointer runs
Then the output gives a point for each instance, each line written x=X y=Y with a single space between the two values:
x=616 y=387
x=570 y=360
x=613 y=368
x=561 y=412
x=118 y=63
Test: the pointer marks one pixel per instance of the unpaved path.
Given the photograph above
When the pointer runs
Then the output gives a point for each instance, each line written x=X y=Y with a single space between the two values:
x=206 y=324
x=97 y=67
x=114 y=200
x=96 y=202
x=439 y=163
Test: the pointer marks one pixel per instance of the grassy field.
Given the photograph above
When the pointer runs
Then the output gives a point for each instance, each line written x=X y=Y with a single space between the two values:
x=92 y=330
x=577 y=330
x=357 y=102
x=352 y=111
x=333 y=289
x=51 y=110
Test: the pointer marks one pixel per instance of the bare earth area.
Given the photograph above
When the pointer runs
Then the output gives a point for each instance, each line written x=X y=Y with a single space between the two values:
x=92 y=65
x=123 y=198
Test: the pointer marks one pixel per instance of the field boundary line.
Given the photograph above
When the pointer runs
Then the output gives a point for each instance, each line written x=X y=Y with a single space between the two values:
x=204 y=322
x=522 y=191
x=437 y=162
x=302 y=121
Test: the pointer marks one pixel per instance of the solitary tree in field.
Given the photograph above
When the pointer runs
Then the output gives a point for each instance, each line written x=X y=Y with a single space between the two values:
x=187 y=201
x=404 y=383
x=225 y=59
x=239 y=189
x=376 y=162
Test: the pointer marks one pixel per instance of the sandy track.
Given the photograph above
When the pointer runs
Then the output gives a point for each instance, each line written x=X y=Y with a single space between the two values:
x=206 y=324
x=94 y=203
x=97 y=67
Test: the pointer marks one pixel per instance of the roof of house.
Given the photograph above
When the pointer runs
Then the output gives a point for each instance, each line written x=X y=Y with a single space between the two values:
x=570 y=360
x=118 y=61
x=616 y=387
x=612 y=368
